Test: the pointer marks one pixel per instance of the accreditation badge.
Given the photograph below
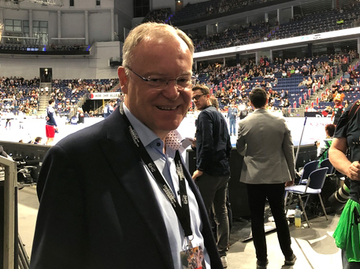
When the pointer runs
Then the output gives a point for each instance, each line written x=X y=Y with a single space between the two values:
x=193 y=258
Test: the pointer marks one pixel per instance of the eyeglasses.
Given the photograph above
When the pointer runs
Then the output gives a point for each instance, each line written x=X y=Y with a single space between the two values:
x=161 y=82
x=197 y=97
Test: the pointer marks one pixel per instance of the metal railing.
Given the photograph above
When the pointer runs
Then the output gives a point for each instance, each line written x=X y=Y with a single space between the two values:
x=9 y=212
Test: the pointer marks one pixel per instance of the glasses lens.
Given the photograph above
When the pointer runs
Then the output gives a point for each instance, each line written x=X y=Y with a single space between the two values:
x=197 y=97
x=184 y=82
x=157 y=82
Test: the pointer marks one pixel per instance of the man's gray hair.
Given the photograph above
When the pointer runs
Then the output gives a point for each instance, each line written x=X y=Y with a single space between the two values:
x=151 y=30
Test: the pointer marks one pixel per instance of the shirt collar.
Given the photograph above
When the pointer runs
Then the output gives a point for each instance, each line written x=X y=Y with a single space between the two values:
x=147 y=136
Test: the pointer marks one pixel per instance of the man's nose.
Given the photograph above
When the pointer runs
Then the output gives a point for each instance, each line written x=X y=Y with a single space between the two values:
x=171 y=90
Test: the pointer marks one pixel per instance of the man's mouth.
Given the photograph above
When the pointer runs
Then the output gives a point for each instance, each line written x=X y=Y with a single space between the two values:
x=166 y=108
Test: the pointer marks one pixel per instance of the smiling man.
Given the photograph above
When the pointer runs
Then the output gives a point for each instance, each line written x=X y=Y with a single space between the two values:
x=118 y=190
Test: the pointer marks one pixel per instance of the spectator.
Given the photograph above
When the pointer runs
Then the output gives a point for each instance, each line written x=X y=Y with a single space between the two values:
x=232 y=115
x=212 y=172
x=109 y=108
x=324 y=145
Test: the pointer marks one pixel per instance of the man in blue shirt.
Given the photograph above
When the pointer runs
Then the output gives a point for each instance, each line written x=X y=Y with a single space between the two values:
x=232 y=114
x=109 y=108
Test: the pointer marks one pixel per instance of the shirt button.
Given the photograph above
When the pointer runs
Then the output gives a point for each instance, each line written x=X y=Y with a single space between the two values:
x=158 y=144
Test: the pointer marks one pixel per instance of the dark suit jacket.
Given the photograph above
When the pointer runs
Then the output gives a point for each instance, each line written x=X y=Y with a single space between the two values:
x=97 y=208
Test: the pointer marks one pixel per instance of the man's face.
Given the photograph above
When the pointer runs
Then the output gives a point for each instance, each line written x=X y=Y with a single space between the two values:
x=160 y=109
x=200 y=100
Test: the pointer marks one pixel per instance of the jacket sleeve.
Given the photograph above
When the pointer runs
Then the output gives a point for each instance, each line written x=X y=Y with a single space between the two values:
x=60 y=225
x=241 y=145
x=206 y=149
x=288 y=149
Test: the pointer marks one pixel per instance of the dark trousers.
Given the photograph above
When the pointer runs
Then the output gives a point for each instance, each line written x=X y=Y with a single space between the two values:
x=257 y=194
x=213 y=190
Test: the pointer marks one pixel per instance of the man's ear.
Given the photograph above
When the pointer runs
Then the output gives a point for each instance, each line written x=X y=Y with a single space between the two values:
x=123 y=78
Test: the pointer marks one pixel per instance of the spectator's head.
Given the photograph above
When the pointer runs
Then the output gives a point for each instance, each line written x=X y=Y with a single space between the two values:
x=37 y=140
x=330 y=130
x=214 y=102
x=156 y=75
x=258 y=97
x=201 y=96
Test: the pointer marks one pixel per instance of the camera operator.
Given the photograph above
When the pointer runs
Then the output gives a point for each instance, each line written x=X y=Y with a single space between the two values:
x=347 y=231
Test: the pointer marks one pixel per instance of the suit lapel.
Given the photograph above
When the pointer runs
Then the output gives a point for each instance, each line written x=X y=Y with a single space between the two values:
x=130 y=173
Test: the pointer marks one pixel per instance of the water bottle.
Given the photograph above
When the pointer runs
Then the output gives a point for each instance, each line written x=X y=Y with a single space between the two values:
x=297 y=217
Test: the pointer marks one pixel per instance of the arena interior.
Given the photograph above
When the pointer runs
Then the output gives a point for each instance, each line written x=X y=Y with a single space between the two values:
x=303 y=52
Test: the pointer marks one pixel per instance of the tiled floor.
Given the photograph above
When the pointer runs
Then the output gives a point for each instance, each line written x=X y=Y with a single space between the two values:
x=314 y=247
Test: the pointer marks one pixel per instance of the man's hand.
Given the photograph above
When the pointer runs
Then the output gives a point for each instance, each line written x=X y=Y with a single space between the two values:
x=197 y=174
x=354 y=171
x=289 y=183
x=193 y=142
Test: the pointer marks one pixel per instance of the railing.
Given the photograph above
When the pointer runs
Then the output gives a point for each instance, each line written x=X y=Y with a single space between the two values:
x=9 y=212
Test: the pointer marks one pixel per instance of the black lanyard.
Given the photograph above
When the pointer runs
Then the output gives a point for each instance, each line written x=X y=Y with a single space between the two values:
x=182 y=212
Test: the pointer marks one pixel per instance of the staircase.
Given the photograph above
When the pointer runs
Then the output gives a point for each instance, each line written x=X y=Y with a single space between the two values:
x=44 y=99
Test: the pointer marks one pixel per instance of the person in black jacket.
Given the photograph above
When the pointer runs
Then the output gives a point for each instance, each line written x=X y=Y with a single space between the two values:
x=212 y=172
x=131 y=213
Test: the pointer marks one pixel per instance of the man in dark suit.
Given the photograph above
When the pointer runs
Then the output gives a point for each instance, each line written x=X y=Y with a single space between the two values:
x=116 y=194
x=213 y=148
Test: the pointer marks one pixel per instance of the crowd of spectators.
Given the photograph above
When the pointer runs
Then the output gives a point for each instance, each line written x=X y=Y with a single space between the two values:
x=23 y=47
x=318 y=21
x=158 y=15
x=232 y=37
x=233 y=83
x=348 y=85
x=21 y=96
x=208 y=9
x=260 y=31
x=285 y=79
x=63 y=47
x=225 y=6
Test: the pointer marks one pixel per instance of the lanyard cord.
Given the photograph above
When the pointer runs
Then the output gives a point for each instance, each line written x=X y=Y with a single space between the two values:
x=182 y=212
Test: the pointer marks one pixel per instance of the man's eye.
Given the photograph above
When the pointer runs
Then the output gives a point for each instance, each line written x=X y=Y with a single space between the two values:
x=182 y=80
x=157 y=80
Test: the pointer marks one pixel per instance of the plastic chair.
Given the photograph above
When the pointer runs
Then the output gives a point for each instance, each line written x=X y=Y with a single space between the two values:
x=308 y=168
x=314 y=185
x=327 y=163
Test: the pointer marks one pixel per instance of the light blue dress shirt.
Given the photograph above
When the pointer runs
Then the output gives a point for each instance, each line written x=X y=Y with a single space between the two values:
x=166 y=165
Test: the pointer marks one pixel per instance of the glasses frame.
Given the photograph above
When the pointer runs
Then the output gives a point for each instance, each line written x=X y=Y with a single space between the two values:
x=148 y=80
x=197 y=97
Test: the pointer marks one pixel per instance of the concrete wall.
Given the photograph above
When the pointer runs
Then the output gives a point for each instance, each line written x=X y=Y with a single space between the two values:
x=64 y=67
x=124 y=11
x=72 y=19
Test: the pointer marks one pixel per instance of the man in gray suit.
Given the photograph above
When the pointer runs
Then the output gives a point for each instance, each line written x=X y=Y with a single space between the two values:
x=265 y=141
